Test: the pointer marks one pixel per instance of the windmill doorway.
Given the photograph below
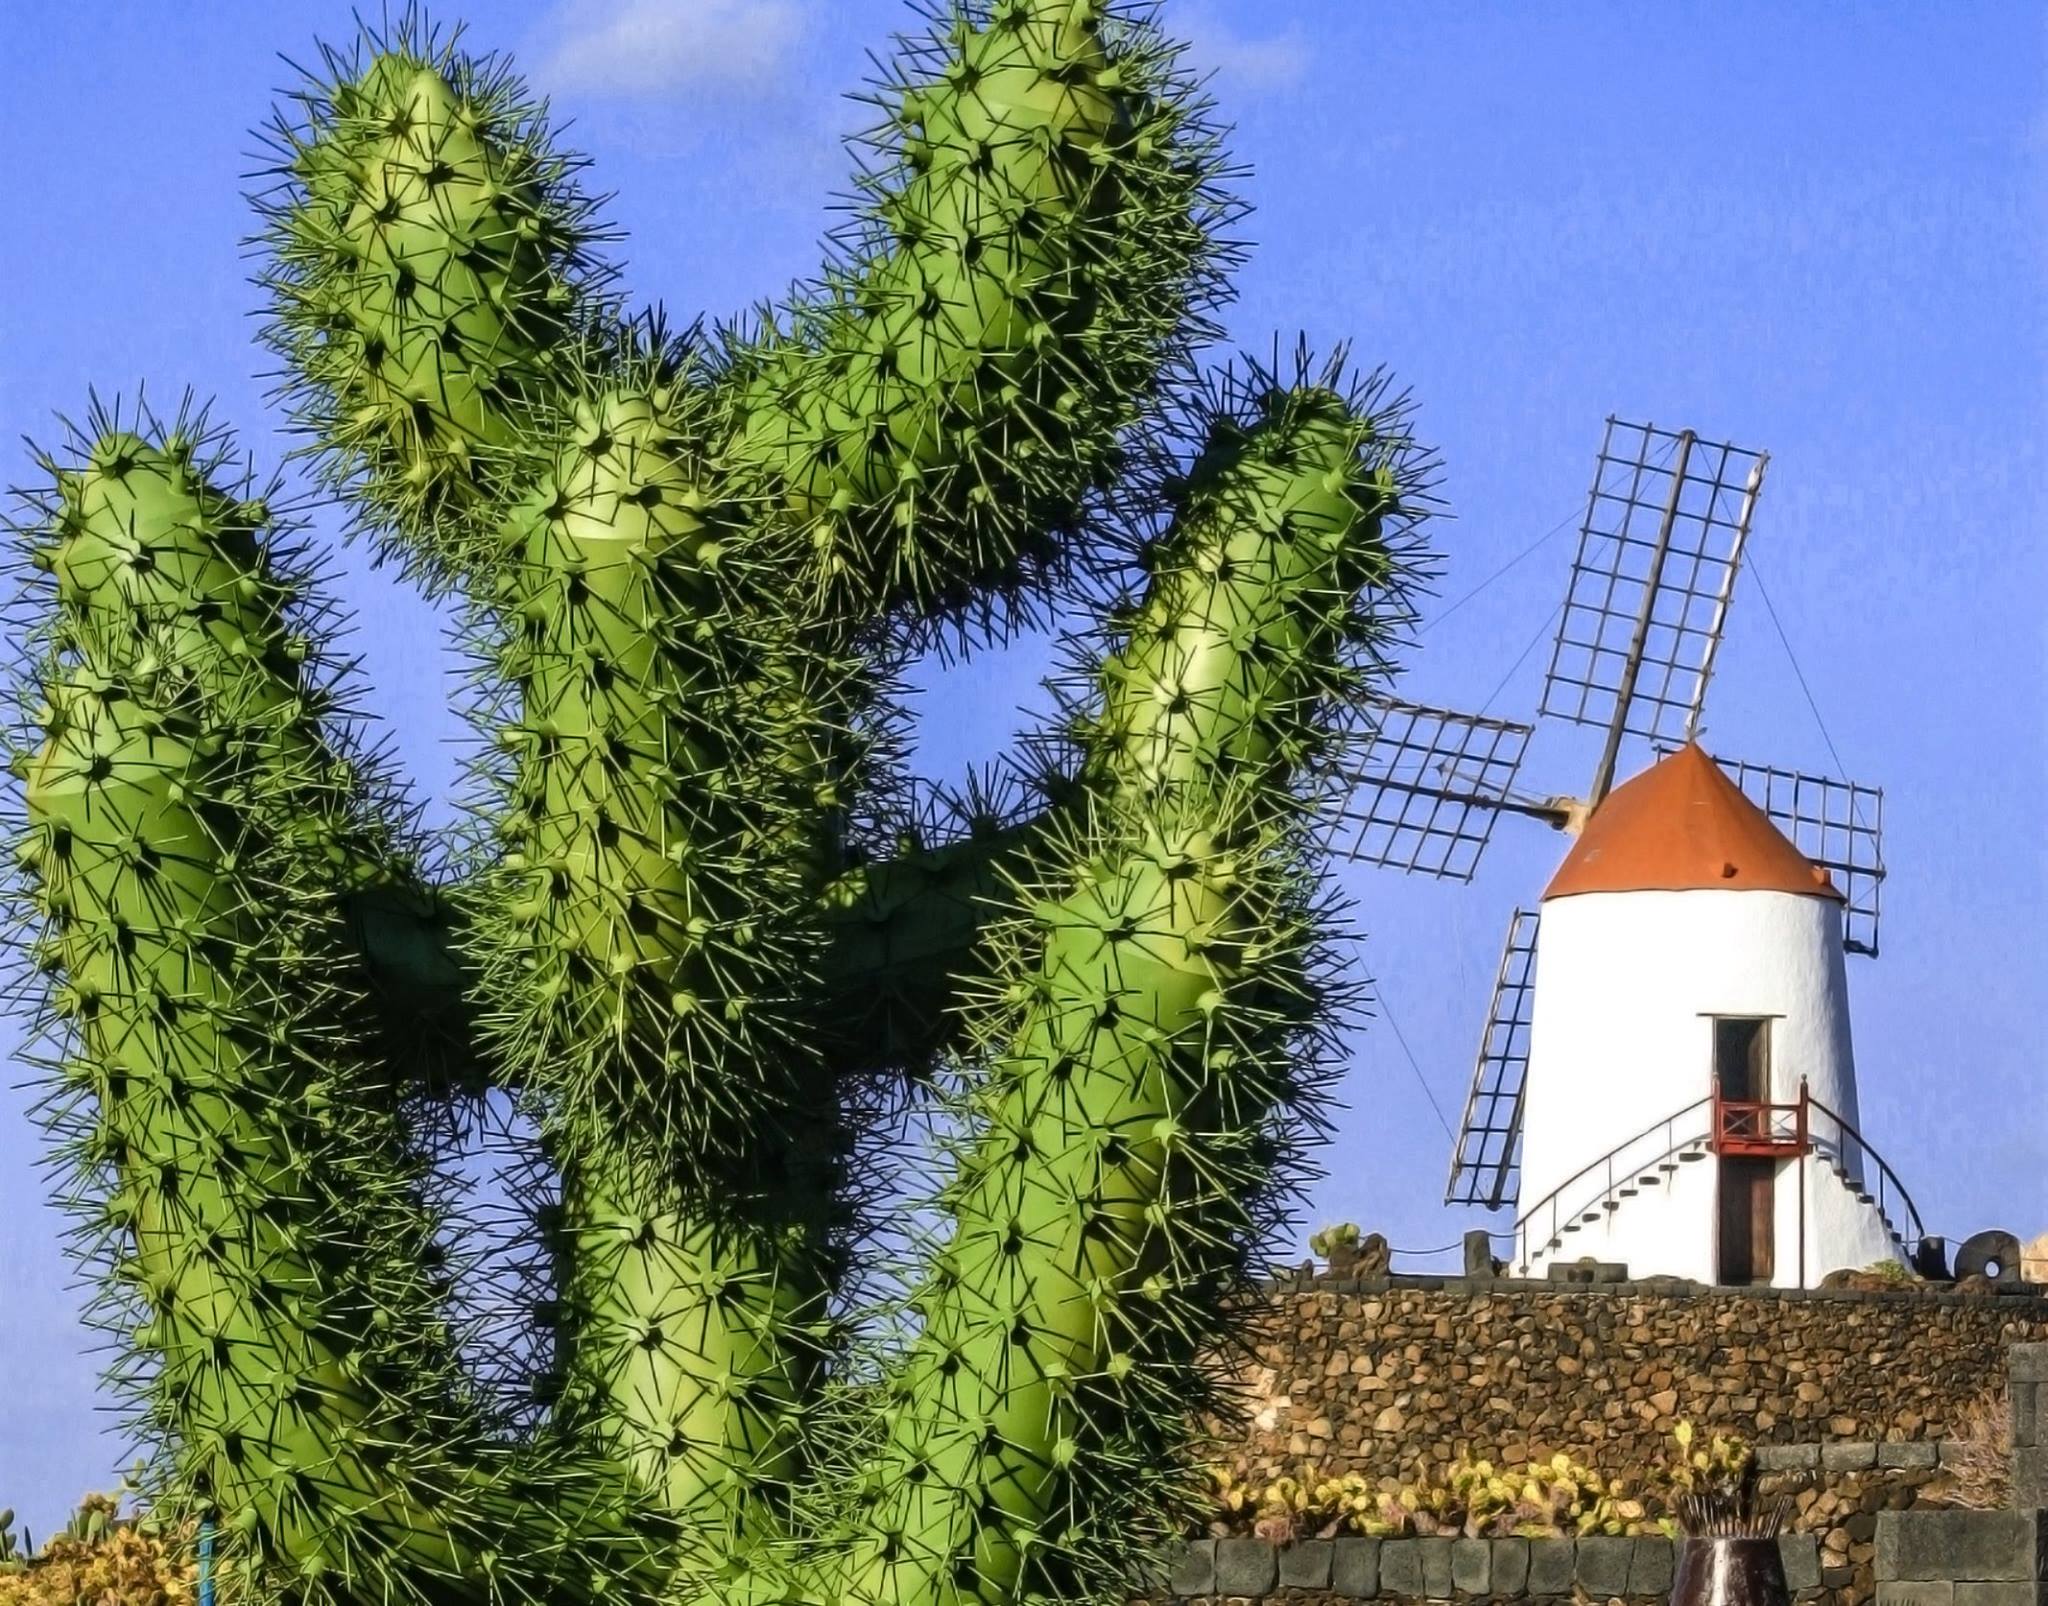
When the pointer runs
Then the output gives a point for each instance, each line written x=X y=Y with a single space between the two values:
x=1746 y=1227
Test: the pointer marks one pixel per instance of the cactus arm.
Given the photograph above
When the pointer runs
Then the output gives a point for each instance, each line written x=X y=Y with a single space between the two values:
x=431 y=290
x=642 y=935
x=407 y=937
x=193 y=835
x=428 y=259
x=644 y=948
x=906 y=934
x=274 y=1406
x=232 y=1144
x=1151 y=1052
x=1038 y=248
x=112 y=593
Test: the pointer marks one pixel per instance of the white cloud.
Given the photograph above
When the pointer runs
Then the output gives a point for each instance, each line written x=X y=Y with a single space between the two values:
x=634 y=48
x=1271 y=61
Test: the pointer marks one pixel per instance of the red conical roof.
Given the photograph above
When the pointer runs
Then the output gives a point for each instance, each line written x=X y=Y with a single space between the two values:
x=1683 y=825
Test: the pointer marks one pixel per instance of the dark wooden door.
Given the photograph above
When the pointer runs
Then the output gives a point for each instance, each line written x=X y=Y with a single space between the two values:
x=1748 y=1225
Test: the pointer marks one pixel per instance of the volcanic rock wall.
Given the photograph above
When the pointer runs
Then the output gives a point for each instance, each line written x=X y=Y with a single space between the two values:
x=1393 y=1376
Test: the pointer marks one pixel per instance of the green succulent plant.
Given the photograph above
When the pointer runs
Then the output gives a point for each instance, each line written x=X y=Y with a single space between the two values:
x=1342 y=1235
x=696 y=931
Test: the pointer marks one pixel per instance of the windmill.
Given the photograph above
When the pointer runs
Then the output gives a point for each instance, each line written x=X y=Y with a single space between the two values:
x=1667 y=520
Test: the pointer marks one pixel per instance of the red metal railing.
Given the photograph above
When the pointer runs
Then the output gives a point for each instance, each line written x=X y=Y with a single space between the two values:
x=1754 y=1127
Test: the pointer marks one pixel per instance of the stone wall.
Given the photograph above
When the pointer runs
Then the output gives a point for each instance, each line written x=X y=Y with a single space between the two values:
x=1930 y=1558
x=1391 y=1376
x=1963 y=1558
x=2029 y=1393
x=1843 y=1510
x=1859 y=1397
x=1439 y=1569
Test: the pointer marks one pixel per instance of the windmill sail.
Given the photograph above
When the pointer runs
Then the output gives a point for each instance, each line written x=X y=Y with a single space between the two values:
x=1486 y=1164
x=1422 y=787
x=1658 y=553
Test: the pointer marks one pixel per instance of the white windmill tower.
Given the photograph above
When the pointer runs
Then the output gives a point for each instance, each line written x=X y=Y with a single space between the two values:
x=1666 y=1077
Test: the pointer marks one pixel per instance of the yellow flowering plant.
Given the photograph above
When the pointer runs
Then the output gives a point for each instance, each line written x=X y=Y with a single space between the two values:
x=100 y=1559
x=1476 y=1498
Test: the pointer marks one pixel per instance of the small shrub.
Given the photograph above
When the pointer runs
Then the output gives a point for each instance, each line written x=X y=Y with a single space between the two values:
x=1333 y=1240
x=1979 y=1466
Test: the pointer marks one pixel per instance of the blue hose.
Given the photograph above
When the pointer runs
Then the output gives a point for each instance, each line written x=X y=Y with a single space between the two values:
x=206 y=1563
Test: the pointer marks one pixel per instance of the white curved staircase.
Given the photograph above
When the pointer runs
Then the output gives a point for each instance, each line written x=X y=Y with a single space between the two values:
x=1621 y=1175
x=1597 y=1209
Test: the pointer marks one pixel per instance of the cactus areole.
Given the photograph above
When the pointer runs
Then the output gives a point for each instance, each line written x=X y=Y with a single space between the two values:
x=695 y=936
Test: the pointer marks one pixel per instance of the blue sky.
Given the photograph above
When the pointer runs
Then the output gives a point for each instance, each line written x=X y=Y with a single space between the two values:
x=1813 y=229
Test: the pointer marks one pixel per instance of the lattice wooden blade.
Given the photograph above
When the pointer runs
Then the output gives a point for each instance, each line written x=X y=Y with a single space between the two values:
x=1486 y=1164
x=1419 y=788
x=1662 y=542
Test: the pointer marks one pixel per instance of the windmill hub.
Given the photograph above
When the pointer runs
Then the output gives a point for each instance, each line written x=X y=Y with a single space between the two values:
x=1570 y=814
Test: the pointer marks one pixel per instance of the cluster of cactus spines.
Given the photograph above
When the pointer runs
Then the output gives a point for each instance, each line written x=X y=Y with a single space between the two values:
x=691 y=572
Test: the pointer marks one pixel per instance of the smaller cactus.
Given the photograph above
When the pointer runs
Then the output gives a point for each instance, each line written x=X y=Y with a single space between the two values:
x=96 y=1517
x=1717 y=1467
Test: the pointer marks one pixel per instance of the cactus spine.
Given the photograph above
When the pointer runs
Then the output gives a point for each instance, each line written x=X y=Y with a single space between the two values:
x=690 y=570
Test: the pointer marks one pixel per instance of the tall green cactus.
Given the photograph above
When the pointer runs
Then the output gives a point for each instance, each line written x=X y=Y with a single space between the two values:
x=690 y=935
